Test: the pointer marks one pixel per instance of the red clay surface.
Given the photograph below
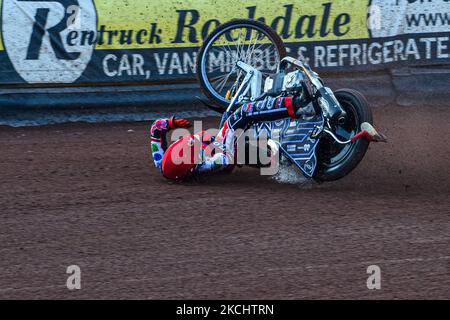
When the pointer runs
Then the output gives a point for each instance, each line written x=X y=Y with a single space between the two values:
x=88 y=195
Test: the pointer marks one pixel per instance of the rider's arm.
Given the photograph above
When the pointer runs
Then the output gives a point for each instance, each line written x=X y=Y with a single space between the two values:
x=220 y=154
x=218 y=162
x=158 y=133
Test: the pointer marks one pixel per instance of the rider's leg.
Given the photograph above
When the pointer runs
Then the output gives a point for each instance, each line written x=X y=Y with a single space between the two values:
x=270 y=109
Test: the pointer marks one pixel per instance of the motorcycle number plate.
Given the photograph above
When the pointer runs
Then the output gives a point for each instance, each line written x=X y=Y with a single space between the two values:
x=294 y=137
x=297 y=145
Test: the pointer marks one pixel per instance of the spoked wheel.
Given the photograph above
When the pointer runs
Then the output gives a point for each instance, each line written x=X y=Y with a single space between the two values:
x=245 y=40
x=336 y=160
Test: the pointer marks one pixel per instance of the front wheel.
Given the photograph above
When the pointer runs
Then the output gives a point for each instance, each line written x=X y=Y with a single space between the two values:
x=335 y=161
x=248 y=41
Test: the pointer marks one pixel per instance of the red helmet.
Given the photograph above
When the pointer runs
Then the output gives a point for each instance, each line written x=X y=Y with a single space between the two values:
x=181 y=158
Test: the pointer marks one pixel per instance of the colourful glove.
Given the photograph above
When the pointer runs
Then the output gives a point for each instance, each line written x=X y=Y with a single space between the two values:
x=178 y=123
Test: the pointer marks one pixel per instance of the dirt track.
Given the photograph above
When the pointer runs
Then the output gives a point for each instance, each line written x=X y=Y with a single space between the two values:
x=88 y=195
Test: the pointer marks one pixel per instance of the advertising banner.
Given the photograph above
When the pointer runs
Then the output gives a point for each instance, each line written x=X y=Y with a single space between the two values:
x=111 y=41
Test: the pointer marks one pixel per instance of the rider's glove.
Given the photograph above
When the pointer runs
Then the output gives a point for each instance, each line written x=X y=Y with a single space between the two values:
x=303 y=108
x=178 y=123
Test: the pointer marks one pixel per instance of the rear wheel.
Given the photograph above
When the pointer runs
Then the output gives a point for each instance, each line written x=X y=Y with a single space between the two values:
x=335 y=161
x=249 y=41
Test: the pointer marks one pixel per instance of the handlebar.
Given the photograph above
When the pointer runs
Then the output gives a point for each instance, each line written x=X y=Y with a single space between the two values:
x=304 y=67
x=328 y=102
x=323 y=95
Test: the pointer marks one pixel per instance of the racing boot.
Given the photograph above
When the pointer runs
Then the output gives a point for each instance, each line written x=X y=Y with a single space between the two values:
x=369 y=133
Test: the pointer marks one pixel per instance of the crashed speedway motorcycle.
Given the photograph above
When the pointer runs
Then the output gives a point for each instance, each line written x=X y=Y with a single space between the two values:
x=245 y=61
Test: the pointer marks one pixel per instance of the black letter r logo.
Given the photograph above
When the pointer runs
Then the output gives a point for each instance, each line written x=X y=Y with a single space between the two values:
x=39 y=30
